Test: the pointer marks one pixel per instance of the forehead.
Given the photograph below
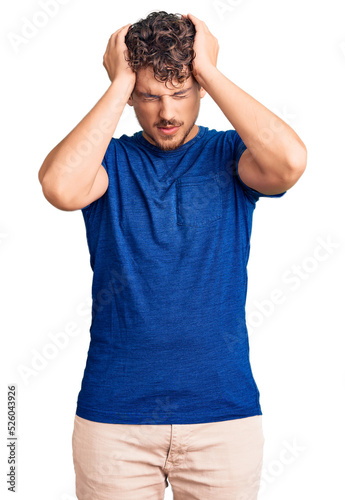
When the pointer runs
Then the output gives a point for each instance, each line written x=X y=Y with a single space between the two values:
x=147 y=83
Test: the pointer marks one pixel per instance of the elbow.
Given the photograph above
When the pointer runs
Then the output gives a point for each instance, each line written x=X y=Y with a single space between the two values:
x=297 y=164
x=294 y=168
x=55 y=197
x=298 y=159
x=40 y=175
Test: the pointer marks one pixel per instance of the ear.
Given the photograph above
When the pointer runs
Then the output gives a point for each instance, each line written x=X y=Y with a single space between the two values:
x=130 y=101
x=202 y=92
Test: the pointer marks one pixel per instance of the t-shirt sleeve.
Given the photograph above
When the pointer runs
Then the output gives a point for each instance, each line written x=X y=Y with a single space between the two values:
x=105 y=162
x=237 y=148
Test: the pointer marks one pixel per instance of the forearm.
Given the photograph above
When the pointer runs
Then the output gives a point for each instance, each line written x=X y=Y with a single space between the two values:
x=74 y=162
x=272 y=143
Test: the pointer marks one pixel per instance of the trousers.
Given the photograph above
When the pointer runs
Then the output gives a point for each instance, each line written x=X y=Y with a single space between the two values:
x=215 y=460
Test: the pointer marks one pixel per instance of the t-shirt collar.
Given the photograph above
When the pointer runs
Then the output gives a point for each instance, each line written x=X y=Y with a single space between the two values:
x=155 y=149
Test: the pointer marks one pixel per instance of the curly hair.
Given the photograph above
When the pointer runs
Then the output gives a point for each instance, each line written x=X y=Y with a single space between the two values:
x=164 y=42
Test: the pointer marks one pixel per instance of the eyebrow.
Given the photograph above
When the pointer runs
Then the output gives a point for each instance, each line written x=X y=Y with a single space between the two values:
x=145 y=94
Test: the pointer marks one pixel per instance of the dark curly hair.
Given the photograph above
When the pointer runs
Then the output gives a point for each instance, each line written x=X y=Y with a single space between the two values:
x=164 y=42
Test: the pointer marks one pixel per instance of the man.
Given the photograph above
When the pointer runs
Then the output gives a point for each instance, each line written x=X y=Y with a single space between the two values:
x=168 y=391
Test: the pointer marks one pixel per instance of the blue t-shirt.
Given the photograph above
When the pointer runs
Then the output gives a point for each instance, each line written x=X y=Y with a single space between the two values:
x=169 y=243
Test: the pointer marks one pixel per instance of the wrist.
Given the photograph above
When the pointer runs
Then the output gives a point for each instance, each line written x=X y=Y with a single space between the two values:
x=207 y=76
x=123 y=84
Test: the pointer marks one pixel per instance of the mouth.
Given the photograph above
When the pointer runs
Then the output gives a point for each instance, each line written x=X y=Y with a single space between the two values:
x=168 y=130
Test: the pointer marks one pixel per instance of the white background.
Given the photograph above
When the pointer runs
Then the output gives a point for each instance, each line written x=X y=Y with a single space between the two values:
x=290 y=56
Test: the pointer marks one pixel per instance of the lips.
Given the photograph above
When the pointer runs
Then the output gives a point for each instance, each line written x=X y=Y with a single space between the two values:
x=168 y=130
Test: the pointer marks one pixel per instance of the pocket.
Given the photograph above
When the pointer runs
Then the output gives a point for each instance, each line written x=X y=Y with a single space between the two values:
x=198 y=200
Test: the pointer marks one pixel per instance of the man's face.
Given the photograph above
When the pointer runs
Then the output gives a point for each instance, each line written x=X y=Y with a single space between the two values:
x=157 y=106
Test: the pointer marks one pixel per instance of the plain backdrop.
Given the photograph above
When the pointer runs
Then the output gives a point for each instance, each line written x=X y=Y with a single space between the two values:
x=290 y=56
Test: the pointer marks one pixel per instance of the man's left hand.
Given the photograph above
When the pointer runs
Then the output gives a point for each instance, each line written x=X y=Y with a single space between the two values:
x=206 y=48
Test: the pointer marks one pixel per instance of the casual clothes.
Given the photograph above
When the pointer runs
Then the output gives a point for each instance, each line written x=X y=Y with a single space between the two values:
x=169 y=244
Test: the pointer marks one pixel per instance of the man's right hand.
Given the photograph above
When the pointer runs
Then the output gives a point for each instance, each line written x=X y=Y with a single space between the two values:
x=114 y=57
x=70 y=177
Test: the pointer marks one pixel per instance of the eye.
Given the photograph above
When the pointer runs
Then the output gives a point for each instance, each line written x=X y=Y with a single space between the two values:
x=148 y=99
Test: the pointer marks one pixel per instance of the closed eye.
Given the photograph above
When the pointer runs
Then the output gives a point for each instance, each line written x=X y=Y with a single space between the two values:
x=155 y=98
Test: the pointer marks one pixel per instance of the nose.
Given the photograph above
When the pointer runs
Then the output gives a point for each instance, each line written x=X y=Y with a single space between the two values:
x=167 y=109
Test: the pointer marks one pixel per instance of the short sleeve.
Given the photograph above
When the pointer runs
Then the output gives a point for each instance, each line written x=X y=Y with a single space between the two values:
x=105 y=162
x=237 y=148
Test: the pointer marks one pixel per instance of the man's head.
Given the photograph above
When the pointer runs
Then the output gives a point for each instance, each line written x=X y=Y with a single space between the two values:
x=160 y=52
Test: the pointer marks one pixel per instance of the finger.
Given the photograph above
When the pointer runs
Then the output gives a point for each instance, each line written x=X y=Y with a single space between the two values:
x=113 y=35
x=107 y=49
x=198 y=22
x=111 y=41
x=120 y=33
x=125 y=29
x=193 y=17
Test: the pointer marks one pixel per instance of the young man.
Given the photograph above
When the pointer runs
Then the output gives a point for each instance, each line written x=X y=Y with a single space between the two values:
x=168 y=391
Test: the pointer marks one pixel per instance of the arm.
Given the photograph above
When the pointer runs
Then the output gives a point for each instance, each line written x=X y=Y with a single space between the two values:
x=275 y=157
x=72 y=175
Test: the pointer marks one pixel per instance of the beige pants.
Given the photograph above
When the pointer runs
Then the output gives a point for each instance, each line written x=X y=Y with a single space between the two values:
x=217 y=460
